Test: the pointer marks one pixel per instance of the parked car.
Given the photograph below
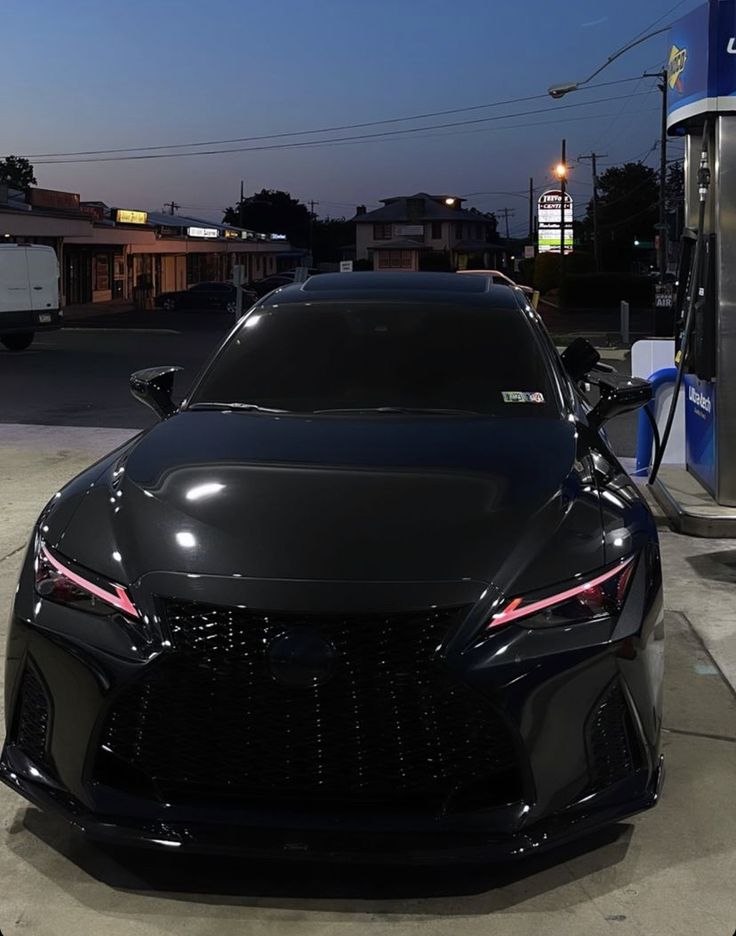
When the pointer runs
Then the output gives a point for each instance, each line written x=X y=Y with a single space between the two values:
x=29 y=293
x=500 y=279
x=379 y=588
x=206 y=296
x=269 y=283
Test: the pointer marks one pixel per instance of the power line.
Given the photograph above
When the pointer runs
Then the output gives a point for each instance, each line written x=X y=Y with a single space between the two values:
x=659 y=19
x=335 y=129
x=308 y=143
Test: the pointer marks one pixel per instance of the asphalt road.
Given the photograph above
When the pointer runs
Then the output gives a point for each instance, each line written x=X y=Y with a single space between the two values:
x=79 y=376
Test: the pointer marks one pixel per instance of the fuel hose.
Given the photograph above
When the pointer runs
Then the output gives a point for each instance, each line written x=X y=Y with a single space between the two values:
x=693 y=287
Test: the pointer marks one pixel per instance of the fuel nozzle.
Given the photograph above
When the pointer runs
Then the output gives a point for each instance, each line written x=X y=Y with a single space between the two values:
x=703 y=175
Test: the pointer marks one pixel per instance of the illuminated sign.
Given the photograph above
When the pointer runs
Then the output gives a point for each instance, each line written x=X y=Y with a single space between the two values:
x=232 y=234
x=202 y=232
x=127 y=216
x=549 y=217
x=278 y=236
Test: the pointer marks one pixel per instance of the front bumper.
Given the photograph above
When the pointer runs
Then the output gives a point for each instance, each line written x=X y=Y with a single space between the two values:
x=433 y=842
x=563 y=697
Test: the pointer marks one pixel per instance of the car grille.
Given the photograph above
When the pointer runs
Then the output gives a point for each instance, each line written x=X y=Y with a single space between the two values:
x=33 y=720
x=614 y=750
x=390 y=726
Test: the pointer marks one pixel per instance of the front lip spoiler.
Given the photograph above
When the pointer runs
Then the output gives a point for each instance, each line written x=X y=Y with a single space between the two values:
x=326 y=846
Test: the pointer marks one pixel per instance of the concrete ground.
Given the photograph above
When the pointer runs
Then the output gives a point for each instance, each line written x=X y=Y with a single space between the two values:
x=670 y=871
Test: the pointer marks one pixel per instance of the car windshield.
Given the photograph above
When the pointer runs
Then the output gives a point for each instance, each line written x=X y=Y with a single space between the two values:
x=382 y=356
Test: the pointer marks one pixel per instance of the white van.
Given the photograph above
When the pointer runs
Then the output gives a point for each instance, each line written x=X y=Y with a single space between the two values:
x=29 y=293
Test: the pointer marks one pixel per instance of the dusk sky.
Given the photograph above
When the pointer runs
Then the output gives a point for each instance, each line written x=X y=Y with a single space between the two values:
x=81 y=75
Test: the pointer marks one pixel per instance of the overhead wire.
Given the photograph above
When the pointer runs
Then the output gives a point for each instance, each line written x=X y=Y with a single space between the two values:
x=404 y=132
x=332 y=129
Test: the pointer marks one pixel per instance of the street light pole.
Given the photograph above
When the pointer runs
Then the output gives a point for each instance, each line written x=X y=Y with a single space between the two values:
x=561 y=171
x=593 y=157
x=560 y=90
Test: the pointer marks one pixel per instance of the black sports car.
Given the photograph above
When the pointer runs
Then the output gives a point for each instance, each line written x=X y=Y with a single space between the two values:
x=221 y=296
x=378 y=588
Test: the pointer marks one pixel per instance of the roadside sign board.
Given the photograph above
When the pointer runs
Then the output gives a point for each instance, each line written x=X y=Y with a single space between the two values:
x=549 y=218
x=346 y=266
x=663 y=296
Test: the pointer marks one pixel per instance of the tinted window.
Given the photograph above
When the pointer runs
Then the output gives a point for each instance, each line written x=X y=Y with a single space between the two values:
x=352 y=355
x=203 y=287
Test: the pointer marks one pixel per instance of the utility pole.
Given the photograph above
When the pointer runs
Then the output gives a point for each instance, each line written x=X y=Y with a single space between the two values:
x=240 y=205
x=531 y=211
x=662 y=240
x=506 y=212
x=312 y=203
x=596 y=246
x=172 y=206
x=561 y=172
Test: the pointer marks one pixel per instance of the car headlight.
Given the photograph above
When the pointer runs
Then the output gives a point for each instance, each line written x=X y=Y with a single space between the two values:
x=588 y=599
x=57 y=581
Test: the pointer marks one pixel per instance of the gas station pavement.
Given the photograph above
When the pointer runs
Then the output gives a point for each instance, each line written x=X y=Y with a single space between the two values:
x=669 y=871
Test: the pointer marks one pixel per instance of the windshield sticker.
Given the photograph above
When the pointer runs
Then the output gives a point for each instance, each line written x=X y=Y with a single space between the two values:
x=521 y=396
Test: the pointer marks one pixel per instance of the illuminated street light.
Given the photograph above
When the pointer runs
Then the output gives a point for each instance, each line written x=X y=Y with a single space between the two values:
x=561 y=171
x=560 y=90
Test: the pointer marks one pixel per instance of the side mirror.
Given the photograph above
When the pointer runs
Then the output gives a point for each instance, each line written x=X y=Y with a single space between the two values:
x=154 y=386
x=580 y=358
x=619 y=394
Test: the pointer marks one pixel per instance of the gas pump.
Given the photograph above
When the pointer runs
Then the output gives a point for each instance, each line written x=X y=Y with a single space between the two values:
x=702 y=109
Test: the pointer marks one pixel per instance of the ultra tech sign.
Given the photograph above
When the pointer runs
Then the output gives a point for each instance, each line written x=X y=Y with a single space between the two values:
x=701 y=63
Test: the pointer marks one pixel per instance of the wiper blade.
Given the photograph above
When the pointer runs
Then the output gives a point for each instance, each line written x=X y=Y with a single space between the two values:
x=247 y=407
x=403 y=410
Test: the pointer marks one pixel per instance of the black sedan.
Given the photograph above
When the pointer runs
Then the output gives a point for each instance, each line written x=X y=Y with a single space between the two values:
x=222 y=296
x=377 y=589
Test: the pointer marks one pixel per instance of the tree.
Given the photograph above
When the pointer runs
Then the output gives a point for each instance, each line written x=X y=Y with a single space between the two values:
x=628 y=198
x=329 y=236
x=273 y=212
x=16 y=172
x=675 y=202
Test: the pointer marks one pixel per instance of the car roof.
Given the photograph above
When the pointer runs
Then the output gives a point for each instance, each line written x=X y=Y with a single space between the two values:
x=487 y=273
x=401 y=287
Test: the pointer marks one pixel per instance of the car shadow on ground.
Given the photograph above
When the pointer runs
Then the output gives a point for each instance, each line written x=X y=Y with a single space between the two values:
x=716 y=566
x=451 y=890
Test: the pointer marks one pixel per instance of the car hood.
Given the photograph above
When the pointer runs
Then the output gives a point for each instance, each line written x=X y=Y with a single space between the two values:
x=382 y=499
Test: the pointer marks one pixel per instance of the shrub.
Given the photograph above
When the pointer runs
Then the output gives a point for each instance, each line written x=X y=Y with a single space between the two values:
x=546 y=274
x=436 y=261
x=606 y=290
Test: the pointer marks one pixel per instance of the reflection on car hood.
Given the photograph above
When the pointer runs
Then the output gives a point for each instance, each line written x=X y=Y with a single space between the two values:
x=342 y=498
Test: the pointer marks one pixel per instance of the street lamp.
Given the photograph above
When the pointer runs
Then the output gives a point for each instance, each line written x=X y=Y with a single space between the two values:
x=561 y=173
x=560 y=90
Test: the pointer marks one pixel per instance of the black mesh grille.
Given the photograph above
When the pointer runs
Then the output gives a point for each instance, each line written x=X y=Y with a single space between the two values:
x=33 y=720
x=613 y=748
x=209 y=719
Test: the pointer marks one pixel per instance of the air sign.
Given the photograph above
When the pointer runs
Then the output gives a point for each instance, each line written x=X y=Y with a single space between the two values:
x=549 y=221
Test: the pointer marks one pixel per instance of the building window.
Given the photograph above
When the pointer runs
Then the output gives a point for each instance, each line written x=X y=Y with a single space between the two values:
x=459 y=230
x=101 y=273
x=436 y=230
x=479 y=231
x=395 y=260
x=381 y=232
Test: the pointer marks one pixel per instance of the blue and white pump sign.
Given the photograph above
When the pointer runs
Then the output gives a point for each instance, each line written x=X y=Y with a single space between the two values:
x=701 y=63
